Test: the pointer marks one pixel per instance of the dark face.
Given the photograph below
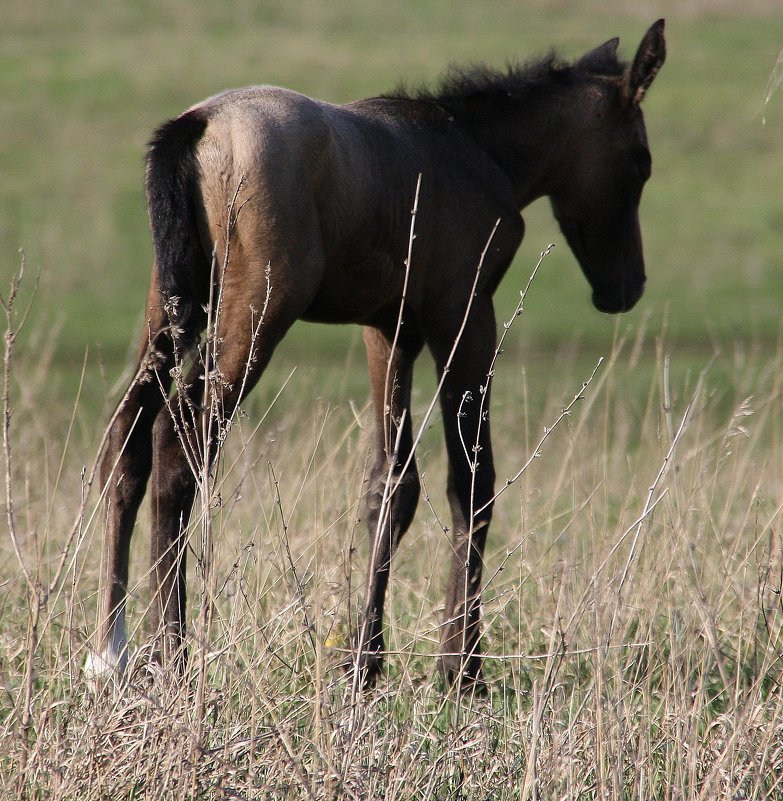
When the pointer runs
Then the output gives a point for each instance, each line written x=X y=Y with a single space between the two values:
x=598 y=208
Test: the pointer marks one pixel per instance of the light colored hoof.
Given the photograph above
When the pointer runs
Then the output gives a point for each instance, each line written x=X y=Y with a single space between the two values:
x=112 y=661
x=109 y=664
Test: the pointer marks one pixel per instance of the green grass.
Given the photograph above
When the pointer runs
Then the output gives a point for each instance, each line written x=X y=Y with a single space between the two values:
x=84 y=88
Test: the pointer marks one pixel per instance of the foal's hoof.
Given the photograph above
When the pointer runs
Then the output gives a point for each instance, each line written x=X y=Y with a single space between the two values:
x=168 y=658
x=462 y=673
x=369 y=666
x=103 y=668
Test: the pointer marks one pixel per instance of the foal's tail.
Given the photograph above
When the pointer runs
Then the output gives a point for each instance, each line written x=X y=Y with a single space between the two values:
x=172 y=199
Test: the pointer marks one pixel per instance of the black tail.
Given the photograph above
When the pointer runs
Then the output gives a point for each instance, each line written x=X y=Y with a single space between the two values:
x=172 y=195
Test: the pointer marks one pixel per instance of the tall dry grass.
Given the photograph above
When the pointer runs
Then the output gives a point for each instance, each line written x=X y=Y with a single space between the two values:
x=632 y=601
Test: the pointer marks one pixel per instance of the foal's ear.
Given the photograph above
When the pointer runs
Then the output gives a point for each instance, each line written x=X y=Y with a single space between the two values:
x=649 y=59
x=597 y=60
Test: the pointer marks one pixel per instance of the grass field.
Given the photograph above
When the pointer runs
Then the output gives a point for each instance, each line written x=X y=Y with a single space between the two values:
x=634 y=570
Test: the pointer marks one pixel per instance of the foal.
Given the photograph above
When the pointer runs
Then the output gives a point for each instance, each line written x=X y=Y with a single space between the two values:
x=319 y=232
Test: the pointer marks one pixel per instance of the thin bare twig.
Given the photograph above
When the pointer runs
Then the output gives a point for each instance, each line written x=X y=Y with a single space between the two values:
x=11 y=333
x=387 y=386
x=536 y=454
x=773 y=84
x=35 y=593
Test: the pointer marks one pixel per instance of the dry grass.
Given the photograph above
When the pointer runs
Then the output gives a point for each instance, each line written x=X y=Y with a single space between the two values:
x=632 y=605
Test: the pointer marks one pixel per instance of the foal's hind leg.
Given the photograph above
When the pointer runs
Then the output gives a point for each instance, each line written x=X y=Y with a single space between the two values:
x=186 y=438
x=394 y=488
x=125 y=468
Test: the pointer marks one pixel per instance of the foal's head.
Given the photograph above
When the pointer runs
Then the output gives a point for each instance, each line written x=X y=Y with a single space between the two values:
x=608 y=163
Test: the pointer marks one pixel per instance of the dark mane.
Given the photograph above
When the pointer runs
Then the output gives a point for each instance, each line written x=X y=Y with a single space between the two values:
x=461 y=82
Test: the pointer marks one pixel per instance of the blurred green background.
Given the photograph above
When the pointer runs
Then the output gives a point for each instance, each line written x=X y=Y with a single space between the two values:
x=84 y=84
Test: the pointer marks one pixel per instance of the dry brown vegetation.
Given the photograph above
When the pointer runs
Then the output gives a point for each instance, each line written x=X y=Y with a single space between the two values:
x=632 y=604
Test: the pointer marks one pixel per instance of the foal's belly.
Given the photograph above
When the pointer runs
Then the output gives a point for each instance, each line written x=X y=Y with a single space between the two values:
x=356 y=292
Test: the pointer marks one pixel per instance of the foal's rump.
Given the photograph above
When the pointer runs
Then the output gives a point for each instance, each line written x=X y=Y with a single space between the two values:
x=259 y=160
x=291 y=178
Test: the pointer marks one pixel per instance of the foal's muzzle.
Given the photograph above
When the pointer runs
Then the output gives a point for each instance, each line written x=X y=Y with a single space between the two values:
x=618 y=299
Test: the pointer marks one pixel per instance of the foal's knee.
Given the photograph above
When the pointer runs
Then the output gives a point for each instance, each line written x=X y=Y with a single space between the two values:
x=405 y=500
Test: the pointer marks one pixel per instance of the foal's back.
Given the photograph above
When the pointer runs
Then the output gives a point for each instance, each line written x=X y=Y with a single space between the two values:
x=327 y=190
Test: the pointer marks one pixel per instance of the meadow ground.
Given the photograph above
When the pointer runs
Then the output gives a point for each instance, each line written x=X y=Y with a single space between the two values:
x=635 y=567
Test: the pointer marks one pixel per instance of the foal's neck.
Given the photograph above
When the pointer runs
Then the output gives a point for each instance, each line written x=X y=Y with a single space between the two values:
x=533 y=139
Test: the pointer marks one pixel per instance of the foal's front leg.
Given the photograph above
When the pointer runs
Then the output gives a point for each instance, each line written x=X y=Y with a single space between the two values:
x=465 y=404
